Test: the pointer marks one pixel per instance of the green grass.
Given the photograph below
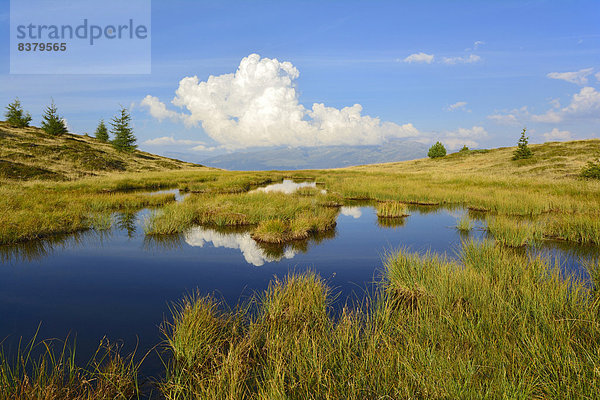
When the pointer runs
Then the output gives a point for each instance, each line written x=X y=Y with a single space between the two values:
x=43 y=210
x=464 y=224
x=47 y=370
x=31 y=154
x=225 y=182
x=511 y=232
x=573 y=228
x=493 y=324
x=591 y=170
x=279 y=217
x=391 y=209
x=548 y=189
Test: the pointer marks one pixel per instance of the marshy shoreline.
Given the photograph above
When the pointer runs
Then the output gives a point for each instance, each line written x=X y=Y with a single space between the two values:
x=494 y=322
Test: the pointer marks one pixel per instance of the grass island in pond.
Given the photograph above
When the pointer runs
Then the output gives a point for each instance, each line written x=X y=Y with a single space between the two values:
x=490 y=319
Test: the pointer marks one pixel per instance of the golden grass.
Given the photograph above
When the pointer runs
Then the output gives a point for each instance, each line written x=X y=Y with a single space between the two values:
x=279 y=217
x=465 y=224
x=46 y=370
x=546 y=187
x=512 y=232
x=29 y=154
x=493 y=323
x=391 y=209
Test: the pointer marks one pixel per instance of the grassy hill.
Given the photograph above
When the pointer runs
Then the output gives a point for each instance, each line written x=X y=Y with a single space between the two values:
x=29 y=153
x=493 y=322
x=550 y=160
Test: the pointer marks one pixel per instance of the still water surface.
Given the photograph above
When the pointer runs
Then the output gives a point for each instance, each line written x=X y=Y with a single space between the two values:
x=120 y=284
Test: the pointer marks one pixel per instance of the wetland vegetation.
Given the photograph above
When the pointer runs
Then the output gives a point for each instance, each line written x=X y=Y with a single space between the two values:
x=494 y=321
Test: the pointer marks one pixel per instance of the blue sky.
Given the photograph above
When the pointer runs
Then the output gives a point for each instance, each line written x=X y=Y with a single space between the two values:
x=480 y=72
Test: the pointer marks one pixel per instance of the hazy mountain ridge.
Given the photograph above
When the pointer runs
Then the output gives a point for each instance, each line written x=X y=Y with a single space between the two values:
x=318 y=157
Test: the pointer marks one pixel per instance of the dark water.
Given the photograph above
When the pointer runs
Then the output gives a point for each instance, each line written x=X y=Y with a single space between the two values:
x=120 y=284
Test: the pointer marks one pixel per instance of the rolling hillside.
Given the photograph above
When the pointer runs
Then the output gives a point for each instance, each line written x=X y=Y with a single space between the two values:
x=550 y=160
x=29 y=153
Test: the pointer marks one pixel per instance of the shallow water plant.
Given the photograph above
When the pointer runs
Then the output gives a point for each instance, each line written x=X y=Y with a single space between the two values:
x=575 y=228
x=464 y=224
x=47 y=370
x=512 y=232
x=391 y=209
x=492 y=322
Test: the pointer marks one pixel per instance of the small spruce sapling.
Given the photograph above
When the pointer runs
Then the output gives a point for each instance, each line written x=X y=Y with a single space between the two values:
x=101 y=132
x=15 y=116
x=52 y=123
x=124 y=139
x=522 y=151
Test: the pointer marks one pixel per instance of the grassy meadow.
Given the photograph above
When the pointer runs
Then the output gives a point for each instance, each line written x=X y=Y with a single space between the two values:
x=494 y=323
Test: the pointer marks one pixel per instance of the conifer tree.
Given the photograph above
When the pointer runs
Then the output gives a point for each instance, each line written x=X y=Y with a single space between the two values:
x=124 y=139
x=52 y=123
x=101 y=132
x=15 y=116
x=522 y=151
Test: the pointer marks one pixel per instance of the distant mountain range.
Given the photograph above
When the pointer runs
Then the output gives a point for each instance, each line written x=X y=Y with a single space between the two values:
x=286 y=158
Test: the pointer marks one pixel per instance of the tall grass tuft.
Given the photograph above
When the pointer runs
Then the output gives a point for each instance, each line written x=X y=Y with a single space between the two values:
x=512 y=232
x=464 y=224
x=493 y=323
x=41 y=370
x=391 y=209
x=574 y=228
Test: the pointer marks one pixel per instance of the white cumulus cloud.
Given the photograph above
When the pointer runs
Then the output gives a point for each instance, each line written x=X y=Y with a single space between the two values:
x=158 y=109
x=556 y=135
x=585 y=104
x=577 y=77
x=258 y=105
x=419 y=58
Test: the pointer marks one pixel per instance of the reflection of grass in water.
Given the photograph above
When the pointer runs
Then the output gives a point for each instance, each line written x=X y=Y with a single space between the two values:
x=35 y=250
x=126 y=222
x=532 y=330
x=277 y=250
x=570 y=249
x=274 y=251
x=480 y=181
x=391 y=222
x=322 y=236
x=476 y=215
x=164 y=242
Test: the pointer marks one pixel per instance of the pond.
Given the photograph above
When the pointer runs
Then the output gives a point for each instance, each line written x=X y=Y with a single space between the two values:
x=121 y=284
